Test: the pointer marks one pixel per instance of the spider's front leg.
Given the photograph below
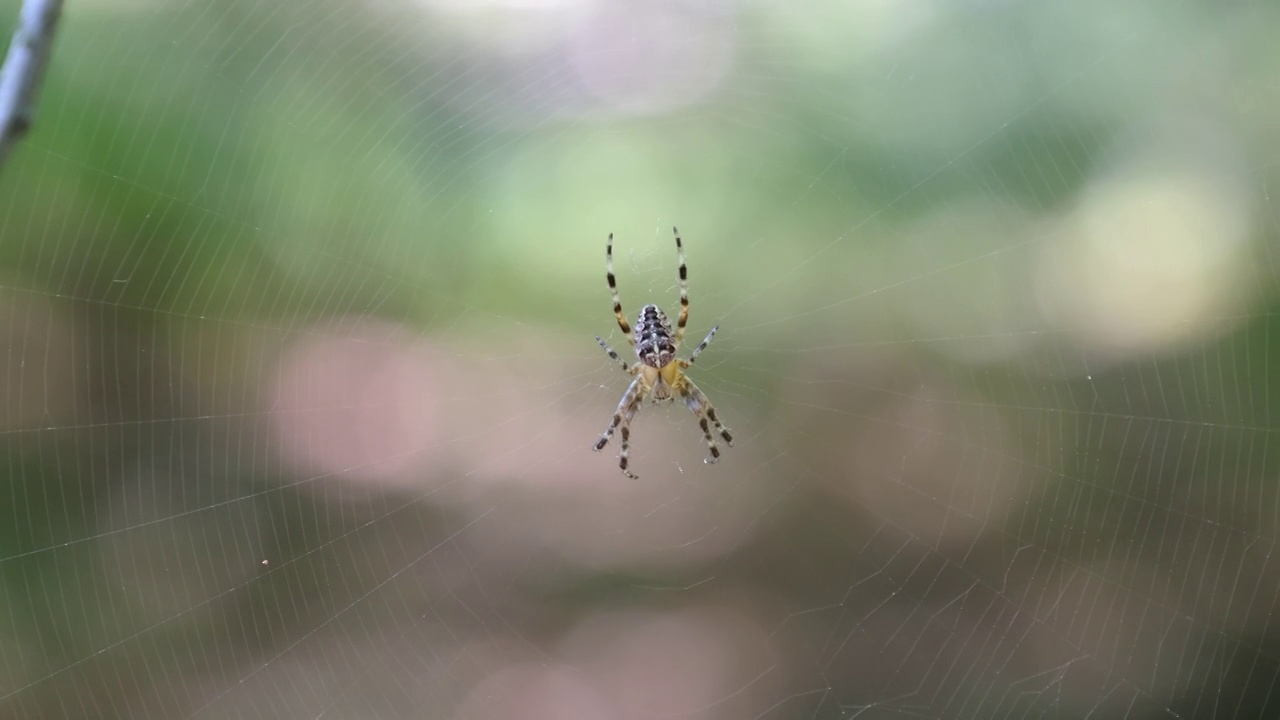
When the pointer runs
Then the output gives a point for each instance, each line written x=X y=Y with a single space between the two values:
x=704 y=410
x=621 y=422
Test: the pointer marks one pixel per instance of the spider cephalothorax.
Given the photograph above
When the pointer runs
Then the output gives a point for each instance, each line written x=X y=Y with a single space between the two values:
x=660 y=374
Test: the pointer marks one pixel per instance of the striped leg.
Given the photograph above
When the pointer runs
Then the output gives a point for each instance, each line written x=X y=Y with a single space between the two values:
x=621 y=421
x=711 y=413
x=701 y=407
x=613 y=288
x=614 y=355
x=701 y=346
x=625 y=448
x=684 y=289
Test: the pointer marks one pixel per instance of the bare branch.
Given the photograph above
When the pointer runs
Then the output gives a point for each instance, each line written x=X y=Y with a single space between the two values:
x=23 y=70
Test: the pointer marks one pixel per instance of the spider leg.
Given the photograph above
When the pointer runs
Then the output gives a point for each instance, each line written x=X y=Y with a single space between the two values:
x=613 y=288
x=701 y=406
x=625 y=367
x=684 y=289
x=627 y=408
x=701 y=346
x=625 y=448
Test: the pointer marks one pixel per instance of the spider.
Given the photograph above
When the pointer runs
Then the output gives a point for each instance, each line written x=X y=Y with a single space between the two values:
x=659 y=375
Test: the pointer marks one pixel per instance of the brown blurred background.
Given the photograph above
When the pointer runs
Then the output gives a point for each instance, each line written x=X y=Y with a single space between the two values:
x=297 y=315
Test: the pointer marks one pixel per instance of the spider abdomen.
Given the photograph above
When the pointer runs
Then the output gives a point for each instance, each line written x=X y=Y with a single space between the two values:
x=654 y=344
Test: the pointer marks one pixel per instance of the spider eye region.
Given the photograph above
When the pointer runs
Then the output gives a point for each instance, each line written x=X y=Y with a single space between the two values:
x=654 y=345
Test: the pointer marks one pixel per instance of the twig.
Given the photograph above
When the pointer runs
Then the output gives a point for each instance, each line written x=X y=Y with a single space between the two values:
x=23 y=70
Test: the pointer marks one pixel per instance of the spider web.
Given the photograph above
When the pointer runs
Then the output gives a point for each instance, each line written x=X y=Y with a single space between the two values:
x=298 y=305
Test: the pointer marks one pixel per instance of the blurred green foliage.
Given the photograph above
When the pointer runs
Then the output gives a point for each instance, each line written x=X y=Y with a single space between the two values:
x=205 y=171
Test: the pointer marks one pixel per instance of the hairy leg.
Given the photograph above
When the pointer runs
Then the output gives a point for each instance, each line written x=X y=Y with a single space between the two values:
x=684 y=289
x=613 y=290
x=621 y=422
x=701 y=407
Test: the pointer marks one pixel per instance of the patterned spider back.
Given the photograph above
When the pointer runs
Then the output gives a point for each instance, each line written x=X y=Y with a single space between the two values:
x=654 y=344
